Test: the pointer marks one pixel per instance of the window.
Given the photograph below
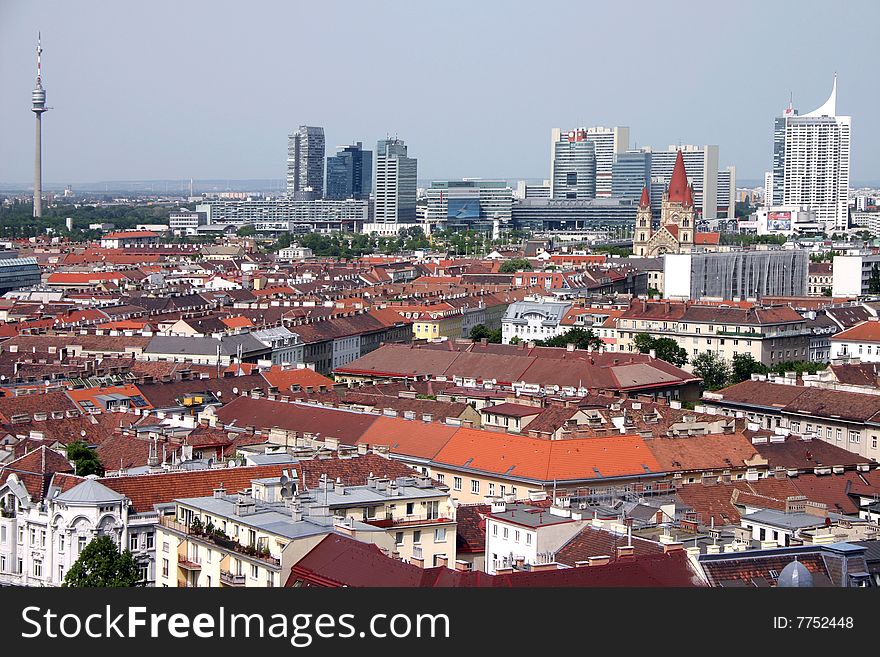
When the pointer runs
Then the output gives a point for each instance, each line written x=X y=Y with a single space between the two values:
x=417 y=536
x=38 y=568
x=494 y=530
x=433 y=509
x=503 y=489
x=164 y=567
x=149 y=540
x=513 y=490
x=3 y=563
x=133 y=542
x=32 y=538
x=762 y=534
x=43 y=538
x=60 y=573
x=270 y=579
x=440 y=535
x=456 y=483
x=398 y=538
x=165 y=546
x=873 y=442
x=144 y=571
x=504 y=532
x=21 y=534
x=80 y=543
x=410 y=508
x=475 y=486
x=855 y=437
x=255 y=571
x=441 y=478
x=528 y=538
x=828 y=433
x=839 y=435
x=491 y=489
x=516 y=536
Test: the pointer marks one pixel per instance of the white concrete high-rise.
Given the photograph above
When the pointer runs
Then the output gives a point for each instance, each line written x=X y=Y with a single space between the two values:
x=812 y=161
x=395 y=183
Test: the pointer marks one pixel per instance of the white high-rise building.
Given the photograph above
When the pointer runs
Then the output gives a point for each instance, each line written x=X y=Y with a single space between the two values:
x=395 y=184
x=811 y=161
x=701 y=165
x=768 y=189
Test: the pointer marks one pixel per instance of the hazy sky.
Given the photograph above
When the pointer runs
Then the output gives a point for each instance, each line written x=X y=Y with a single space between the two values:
x=173 y=90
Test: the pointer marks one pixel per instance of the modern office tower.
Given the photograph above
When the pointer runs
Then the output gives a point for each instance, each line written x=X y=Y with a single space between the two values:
x=608 y=143
x=701 y=165
x=395 y=183
x=305 y=163
x=469 y=204
x=631 y=173
x=38 y=97
x=726 y=193
x=350 y=173
x=572 y=165
x=811 y=159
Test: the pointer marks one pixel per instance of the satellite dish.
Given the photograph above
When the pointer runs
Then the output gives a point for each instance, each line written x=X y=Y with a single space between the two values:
x=234 y=391
x=285 y=477
x=232 y=464
x=82 y=433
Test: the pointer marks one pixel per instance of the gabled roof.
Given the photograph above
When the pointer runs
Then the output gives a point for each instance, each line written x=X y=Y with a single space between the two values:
x=35 y=470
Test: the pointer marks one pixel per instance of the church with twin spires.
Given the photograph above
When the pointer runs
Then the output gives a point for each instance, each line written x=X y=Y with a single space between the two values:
x=677 y=232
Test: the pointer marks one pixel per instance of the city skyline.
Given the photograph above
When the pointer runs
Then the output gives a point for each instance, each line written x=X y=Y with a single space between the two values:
x=170 y=122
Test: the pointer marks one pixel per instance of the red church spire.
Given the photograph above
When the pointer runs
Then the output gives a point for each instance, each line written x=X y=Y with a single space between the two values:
x=678 y=184
x=645 y=201
x=689 y=197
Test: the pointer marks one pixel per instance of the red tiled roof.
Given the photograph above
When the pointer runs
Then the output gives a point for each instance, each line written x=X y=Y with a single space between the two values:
x=147 y=490
x=868 y=331
x=305 y=377
x=707 y=238
x=548 y=460
x=35 y=470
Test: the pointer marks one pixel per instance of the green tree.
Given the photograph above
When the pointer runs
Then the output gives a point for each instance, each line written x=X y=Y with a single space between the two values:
x=85 y=459
x=664 y=348
x=579 y=337
x=102 y=565
x=743 y=366
x=481 y=331
x=713 y=369
x=515 y=265
x=247 y=230
x=826 y=291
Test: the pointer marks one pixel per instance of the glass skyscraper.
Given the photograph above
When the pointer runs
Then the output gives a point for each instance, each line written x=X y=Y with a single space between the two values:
x=630 y=173
x=350 y=173
x=305 y=163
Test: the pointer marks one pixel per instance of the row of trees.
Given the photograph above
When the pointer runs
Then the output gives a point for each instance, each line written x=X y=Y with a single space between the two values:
x=717 y=372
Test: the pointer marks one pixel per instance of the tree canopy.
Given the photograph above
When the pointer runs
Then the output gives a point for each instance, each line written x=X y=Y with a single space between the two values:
x=581 y=339
x=515 y=265
x=85 y=459
x=664 y=348
x=713 y=369
x=480 y=332
x=102 y=565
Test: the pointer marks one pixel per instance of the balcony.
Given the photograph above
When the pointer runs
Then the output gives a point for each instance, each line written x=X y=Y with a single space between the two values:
x=218 y=539
x=184 y=584
x=189 y=563
x=230 y=579
x=408 y=521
